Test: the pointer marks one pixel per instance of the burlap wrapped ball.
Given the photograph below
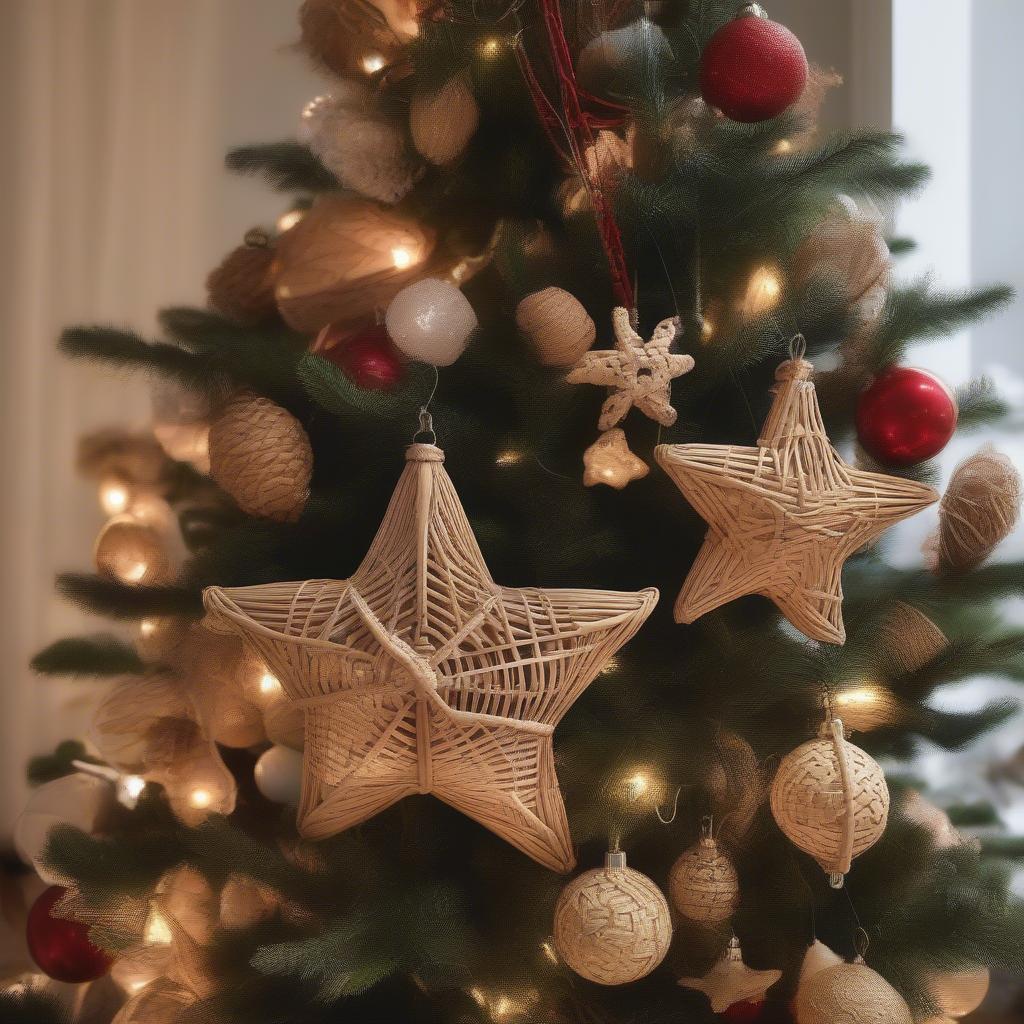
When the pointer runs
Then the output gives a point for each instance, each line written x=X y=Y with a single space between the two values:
x=560 y=330
x=850 y=992
x=355 y=37
x=979 y=509
x=133 y=552
x=242 y=287
x=959 y=993
x=442 y=122
x=346 y=259
x=813 y=807
x=365 y=149
x=703 y=885
x=260 y=455
x=612 y=924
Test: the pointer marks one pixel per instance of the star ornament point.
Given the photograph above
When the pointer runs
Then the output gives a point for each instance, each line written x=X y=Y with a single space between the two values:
x=420 y=674
x=784 y=516
x=731 y=981
x=638 y=373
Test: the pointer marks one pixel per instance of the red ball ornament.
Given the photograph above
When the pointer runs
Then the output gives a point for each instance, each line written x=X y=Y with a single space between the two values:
x=61 y=948
x=743 y=1013
x=369 y=358
x=905 y=415
x=752 y=69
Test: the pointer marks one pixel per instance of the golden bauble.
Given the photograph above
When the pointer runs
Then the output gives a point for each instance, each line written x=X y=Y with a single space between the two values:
x=959 y=993
x=703 y=885
x=560 y=330
x=612 y=924
x=260 y=455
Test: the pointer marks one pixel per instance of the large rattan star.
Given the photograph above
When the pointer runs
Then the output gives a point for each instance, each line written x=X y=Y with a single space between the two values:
x=783 y=517
x=639 y=372
x=421 y=675
x=732 y=981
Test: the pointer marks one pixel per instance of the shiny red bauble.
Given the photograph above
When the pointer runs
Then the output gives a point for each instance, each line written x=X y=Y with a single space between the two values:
x=743 y=1013
x=60 y=948
x=905 y=415
x=369 y=358
x=752 y=69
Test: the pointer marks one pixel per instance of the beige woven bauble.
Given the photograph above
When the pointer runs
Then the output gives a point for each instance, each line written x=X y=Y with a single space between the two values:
x=703 y=885
x=849 y=994
x=979 y=509
x=133 y=552
x=959 y=993
x=830 y=798
x=443 y=121
x=355 y=37
x=612 y=924
x=909 y=639
x=260 y=455
x=558 y=327
x=242 y=287
x=347 y=258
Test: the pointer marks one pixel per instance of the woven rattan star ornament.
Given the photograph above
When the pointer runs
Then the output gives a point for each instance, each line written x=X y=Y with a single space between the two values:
x=421 y=675
x=639 y=372
x=785 y=515
x=731 y=980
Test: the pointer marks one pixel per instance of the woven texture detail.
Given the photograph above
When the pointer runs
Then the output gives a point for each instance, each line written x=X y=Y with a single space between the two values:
x=785 y=515
x=612 y=925
x=703 y=885
x=242 y=287
x=260 y=455
x=559 y=328
x=421 y=675
x=909 y=638
x=443 y=122
x=850 y=994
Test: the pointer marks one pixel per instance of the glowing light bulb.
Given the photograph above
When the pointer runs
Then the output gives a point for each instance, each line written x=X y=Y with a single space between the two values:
x=133 y=785
x=862 y=697
x=707 y=329
x=401 y=257
x=289 y=219
x=157 y=931
x=147 y=627
x=270 y=685
x=611 y=665
x=200 y=798
x=478 y=996
x=502 y=1007
x=134 y=572
x=636 y=786
x=548 y=949
x=114 y=496
x=509 y=457
x=782 y=147
x=763 y=292
x=372 y=63
x=491 y=46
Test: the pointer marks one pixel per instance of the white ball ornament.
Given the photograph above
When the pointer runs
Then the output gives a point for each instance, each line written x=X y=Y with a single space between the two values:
x=431 y=321
x=612 y=924
x=278 y=775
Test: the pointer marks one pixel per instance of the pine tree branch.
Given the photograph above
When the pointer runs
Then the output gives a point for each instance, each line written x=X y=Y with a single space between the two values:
x=88 y=656
x=125 y=348
x=285 y=166
x=119 y=601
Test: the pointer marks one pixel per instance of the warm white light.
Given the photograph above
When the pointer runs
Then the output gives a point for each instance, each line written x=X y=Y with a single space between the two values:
x=133 y=785
x=763 y=291
x=509 y=457
x=372 y=63
x=491 y=46
x=611 y=665
x=478 y=997
x=157 y=931
x=548 y=949
x=503 y=1007
x=857 y=698
x=288 y=220
x=133 y=572
x=636 y=786
x=200 y=798
x=269 y=684
x=782 y=147
x=401 y=257
x=707 y=329
x=114 y=496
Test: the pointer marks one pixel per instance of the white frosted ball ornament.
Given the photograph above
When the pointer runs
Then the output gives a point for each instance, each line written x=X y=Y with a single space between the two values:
x=431 y=321
x=278 y=775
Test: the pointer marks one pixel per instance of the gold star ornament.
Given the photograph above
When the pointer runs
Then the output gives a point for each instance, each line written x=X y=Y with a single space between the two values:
x=609 y=461
x=731 y=981
x=639 y=372
x=420 y=674
x=785 y=515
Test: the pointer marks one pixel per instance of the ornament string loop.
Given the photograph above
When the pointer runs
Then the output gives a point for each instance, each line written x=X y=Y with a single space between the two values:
x=797 y=347
x=675 y=808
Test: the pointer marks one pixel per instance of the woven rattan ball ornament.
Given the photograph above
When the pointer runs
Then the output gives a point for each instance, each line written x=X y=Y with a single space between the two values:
x=242 y=287
x=830 y=798
x=260 y=455
x=703 y=885
x=832 y=990
x=420 y=674
x=612 y=924
x=959 y=993
x=443 y=121
x=559 y=329
x=785 y=515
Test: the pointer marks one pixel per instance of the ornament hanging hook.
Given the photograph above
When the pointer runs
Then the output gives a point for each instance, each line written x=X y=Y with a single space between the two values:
x=425 y=433
x=797 y=347
x=675 y=808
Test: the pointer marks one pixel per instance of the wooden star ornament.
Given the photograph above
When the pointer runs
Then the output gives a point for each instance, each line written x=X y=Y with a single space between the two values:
x=639 y=372
x=420 y=674
x=785 y=515
x=732 y=981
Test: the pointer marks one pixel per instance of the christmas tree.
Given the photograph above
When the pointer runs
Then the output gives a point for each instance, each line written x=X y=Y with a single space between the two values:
x=573 y=310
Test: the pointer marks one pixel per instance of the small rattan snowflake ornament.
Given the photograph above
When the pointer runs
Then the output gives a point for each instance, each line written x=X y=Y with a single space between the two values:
x=702 y=884
x=609 y=461
x=830 y=798
x=731 y=981
x=638 y=372
x=612 y=924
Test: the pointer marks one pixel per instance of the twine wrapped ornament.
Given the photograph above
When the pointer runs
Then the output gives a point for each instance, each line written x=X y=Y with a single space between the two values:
x=832 y=990
x=421 y=675
x=831 y=800
x=242 y=287
x=346 y=258
x=703 y=885
x=612 y=924
x=443 y=121
x=785 y=515
x=979 y=510
x=364 y=148
x=260 y=455
x=559 y=329
x=356 y=37
x=909 y=639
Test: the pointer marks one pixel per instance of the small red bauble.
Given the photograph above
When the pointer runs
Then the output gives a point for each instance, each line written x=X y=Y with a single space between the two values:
x=752 y=69
x=61 y=948
x=905 y=415
x=743 y=1013
x=369 y=358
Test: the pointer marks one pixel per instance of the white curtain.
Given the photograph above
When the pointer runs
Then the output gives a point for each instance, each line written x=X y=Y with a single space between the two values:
x=115 y=115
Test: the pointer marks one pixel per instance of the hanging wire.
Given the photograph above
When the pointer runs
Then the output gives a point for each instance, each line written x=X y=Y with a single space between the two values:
x=675 y=808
